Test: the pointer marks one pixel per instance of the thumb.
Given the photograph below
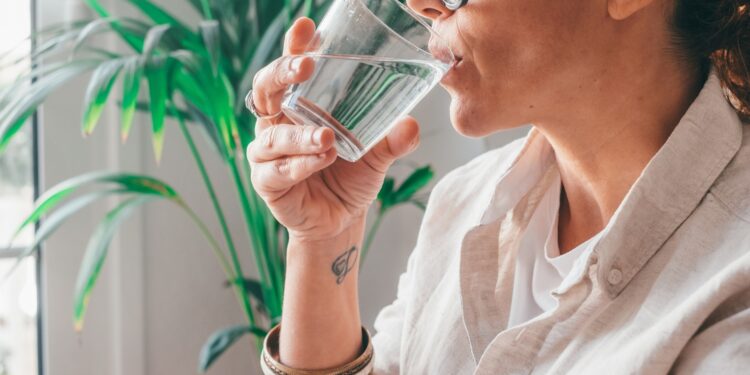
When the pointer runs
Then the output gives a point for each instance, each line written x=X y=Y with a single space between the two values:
x=403 y=139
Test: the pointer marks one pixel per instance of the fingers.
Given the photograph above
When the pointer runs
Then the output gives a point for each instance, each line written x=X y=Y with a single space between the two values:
x=274 y=178
x=270 y=83
x=278 y=141
x=403 y=139
x=299 y=36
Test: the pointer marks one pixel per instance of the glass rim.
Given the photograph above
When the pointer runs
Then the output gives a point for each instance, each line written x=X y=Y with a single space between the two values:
x=419 y=19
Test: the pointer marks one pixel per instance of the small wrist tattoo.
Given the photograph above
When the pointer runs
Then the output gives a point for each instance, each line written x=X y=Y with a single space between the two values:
x=343 y=264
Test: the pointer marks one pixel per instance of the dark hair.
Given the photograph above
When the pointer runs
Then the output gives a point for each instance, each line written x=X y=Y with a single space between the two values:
x=718 y=32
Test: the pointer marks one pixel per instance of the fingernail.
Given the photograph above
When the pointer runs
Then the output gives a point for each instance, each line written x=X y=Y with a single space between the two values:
x=317 y=137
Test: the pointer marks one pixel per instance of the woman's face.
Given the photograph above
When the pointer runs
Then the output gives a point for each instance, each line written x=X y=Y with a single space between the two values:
x=522 y=61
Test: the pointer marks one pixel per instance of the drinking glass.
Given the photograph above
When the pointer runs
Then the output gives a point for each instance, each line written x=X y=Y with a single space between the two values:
x=372 y=66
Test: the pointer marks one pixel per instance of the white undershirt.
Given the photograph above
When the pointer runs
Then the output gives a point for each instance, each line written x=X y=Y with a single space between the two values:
x=540 y=269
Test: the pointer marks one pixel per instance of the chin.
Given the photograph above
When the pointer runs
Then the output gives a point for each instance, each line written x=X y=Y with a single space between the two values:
x=476 y=122
x=461 y=118
x=470 y=122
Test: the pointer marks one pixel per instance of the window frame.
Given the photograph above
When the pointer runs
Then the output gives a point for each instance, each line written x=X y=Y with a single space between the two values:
x=15 y=251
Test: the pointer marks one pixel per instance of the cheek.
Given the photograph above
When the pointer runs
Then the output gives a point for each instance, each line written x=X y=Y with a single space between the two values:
x=521 y=41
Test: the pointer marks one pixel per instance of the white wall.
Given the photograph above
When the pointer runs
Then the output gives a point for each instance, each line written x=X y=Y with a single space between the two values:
x=160 y=295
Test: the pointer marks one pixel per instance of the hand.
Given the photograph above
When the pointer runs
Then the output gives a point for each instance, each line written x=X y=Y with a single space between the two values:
x=295 y=168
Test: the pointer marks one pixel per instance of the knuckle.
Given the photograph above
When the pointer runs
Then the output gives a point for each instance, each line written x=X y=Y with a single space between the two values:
x=282 y=166
x=300 y=168
x=297 y=136
x=279 y=71
x=294 y=173
x=309 y=133
x=269 y=137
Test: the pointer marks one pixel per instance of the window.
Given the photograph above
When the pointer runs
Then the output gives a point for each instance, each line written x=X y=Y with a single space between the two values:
x=18 y=294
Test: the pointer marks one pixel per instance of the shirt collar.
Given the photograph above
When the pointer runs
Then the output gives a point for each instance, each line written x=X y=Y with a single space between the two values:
x=670 y=187
x=526 y=169
x=662 y=197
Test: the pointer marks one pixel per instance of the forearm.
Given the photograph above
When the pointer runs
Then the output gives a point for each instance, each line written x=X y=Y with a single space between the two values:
x=321 y=326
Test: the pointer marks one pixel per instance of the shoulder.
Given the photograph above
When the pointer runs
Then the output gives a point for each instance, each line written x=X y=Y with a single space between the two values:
x=732 y=188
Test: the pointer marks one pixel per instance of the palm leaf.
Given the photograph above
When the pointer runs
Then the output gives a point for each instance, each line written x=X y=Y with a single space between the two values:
x=131 y=81
x=80 y=32
x=253 y=287
x=133 y=40
x=265 y=50
x=96 y=253
x=157 y=75
x=131 y=182
x=162 y=17
x=38 y=37
x=416 y=181
x=100 y=25
x=153 y=38
x=98 y=91
x=156 y=69
x=208 y=128
x=13 y=116
x=386 y=193
x=221 y=340
x=194 y=115
x=55 y=220
x=211 y=40
x=22 y=84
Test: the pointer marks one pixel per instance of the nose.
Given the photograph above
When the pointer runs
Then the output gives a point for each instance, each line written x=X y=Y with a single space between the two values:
x=432 y=9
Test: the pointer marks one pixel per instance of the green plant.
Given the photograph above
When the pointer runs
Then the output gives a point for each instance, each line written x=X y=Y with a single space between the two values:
x=193 y=75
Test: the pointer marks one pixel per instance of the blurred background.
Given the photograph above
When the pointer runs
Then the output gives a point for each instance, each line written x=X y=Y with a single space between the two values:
x=160 y=294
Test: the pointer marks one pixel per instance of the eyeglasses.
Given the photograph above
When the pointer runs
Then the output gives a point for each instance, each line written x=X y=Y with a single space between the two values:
x=454 y=4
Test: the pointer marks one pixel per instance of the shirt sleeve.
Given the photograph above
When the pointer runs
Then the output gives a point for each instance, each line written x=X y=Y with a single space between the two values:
x=723 y=348
x=389 y=325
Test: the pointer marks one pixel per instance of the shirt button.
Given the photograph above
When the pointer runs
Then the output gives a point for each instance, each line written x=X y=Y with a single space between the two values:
x=615 y=276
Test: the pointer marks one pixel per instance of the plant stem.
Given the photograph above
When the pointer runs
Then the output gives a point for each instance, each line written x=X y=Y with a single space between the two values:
x=237 y=280
x=207 y=10
x=276 y=271
x=260 y=260
x=371 y=235
x=238 y=284
x=206 y=179
x=262 y=223
x=211 y=240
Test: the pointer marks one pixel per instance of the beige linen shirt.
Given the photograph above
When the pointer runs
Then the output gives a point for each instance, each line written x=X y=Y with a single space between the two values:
x=666 y=289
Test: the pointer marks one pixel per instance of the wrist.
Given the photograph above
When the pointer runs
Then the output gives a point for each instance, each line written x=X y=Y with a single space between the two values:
x=333 y=260
x=350 y=235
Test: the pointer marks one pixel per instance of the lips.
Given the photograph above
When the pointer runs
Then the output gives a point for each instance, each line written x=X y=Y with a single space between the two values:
x=441 y=51
x=449 y=77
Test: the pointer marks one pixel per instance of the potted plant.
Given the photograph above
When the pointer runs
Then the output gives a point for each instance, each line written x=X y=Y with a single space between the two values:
x=196 y=75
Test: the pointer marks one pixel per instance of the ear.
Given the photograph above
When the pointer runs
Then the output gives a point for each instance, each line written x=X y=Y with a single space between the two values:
x=622 y=9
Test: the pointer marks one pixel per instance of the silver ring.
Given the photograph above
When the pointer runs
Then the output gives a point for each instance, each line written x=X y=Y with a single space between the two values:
x=250 y=104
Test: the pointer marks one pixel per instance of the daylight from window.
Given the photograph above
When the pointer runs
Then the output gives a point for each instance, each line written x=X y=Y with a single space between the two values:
x=18 y=293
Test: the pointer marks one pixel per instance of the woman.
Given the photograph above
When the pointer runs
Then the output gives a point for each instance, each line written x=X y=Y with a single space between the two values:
x=614 y=238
